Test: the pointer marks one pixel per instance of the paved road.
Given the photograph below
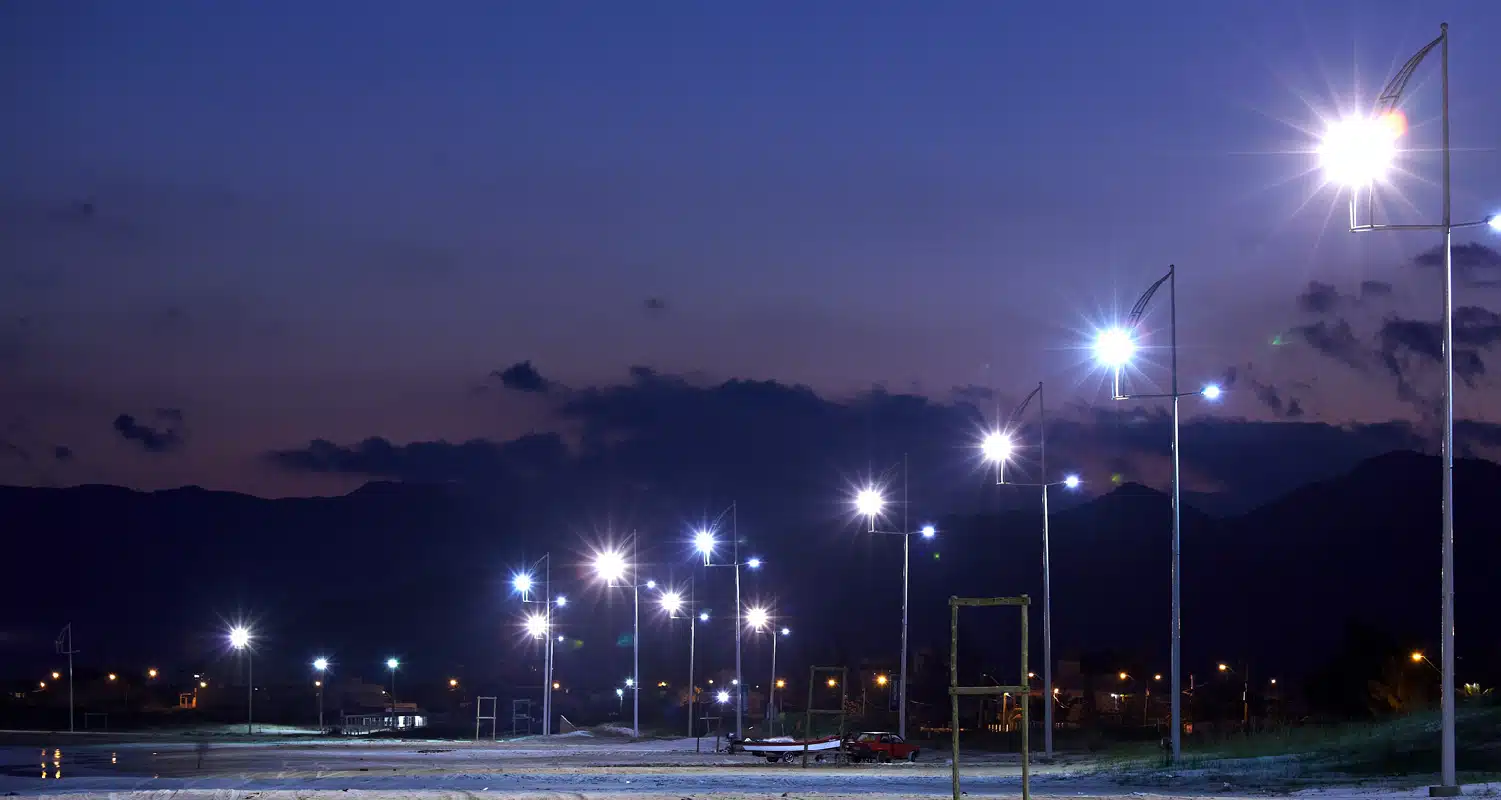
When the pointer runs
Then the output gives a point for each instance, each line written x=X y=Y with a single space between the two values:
x=582 y=767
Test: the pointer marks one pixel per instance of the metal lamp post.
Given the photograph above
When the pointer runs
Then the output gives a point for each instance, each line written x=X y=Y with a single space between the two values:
x=391 y=665
x=320 y=665
x=1115 y=348
x=704 y=542
x=771 y=699
x=523 y=583
x=611 y=566
x=239 y=639
x=1356 y=152
x=998 y=447
x=869 y=503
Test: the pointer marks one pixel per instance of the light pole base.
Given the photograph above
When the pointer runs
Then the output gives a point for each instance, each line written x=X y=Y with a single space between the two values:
x=1445 y=791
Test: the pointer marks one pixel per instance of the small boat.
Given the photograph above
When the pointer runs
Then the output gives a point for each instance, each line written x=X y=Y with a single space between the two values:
x=782 y=747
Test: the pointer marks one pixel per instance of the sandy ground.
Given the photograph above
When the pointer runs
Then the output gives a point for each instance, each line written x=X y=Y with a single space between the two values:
x=577 y=767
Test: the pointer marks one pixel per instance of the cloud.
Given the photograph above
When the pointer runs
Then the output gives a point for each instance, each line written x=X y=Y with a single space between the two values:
x=1319 y=298
x=1369 y=289
x=1474 y=263
x=62 y=452
x=1407 y=344
x=788 y=447
x=521 y=377
x=152 y=440
x=1337 y=340
x=169 y=414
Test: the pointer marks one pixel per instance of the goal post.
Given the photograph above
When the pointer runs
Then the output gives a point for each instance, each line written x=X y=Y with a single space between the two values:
x=1021 y=690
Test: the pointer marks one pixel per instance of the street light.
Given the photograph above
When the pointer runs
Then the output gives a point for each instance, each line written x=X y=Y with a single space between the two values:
x=704 y=542
x=1356 y=153
x=391 y=664
x=239 y=639
x=771 y=700
x=610 y=565
x=1115 y=348
x=151 y=673
x=321 y=666
x=522 y=583
x=999 y=446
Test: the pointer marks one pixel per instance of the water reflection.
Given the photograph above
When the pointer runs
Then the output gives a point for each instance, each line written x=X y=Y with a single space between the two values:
x=57 y=765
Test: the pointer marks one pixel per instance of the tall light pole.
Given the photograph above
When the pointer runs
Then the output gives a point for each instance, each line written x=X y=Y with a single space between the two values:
x=239 y=639
x=869 y=503
x=771 y=700
x=523 y=583
x=1356 y=152
x=392 y=664
x=610 y=565
x=672 y=602
x=320 y=665
x=704 y=542
x=1115 y=348
x=998 y=447
x=64 y=646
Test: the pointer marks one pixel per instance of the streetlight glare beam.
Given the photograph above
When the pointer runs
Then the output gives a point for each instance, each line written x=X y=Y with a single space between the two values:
x=320 y=664
x=671 y=602
x=869 y=502
x=1358 y=151
x=1114 y=347
x=757 y=618
x=996 y=446
x=536 y=626
x=239 y=638
x=522 y=583
x=392 y=663
x=703 y=542
x=610 y=565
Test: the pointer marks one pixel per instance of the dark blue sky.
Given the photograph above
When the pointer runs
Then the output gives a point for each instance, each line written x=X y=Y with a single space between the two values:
x=291 y=221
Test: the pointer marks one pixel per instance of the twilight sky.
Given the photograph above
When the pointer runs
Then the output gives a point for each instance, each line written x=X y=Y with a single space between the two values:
x=232 y=228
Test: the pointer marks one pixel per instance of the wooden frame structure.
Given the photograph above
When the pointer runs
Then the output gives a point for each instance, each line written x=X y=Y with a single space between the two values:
x=1022 y=690
x=813 y=673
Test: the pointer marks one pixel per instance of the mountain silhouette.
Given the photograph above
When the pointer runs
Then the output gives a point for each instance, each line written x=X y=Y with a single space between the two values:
x=422 y=571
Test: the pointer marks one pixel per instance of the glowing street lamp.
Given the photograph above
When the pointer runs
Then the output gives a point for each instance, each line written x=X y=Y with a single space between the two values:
x=320 y=665
x=704 y=542
x=239 y=639
x=998 y=447
x=539 y=624
x=868 y=503
x=391 y=665
x=1115 y=348
x=536 y=625
x=611 y=566
x=522 y=583
x=771 y=700
x=1356 y=153
x=672 y=602
x=757 y=618
x=151 y=673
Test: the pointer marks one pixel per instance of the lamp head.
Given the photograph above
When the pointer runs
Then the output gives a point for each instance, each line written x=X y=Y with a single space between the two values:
x=392 y=663
x=651 y=584
x=561 y=601
x=239 y=637
x=610 y=565
x=320 y=664
x=723 y=697
x=786 y=631
x=1114 y=347
x=757 y=618
x=703 y=616
x=996 y=446
x=928 y=531
x=522 y=583
x=869 y=502
x=1495 y=223
x=671 y=602
x=753 y=563
x=703 y=542
x=1071 y=481
x=1211 y=392
x=1358 y=151
x=536 y=625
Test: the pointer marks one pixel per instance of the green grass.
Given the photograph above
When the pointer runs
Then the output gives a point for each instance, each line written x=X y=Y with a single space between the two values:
x=1404 y=749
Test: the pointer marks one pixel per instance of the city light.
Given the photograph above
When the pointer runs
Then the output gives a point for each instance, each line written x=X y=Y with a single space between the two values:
x=703 y=542
x=869 y=502
x=1417 y=655
x=928 y=531
x=1358 y=151
x=317 y=683
x=786 y=631
x=151 y=673
x=753 y=563
x=833 y=683
x=56 y=675
x=1495 y=223
x=203 y=684
x=671 y=602
x=557 y=685
x=1123 y=676
x=610 y=565
x=651 y=584
x=723 y=697
x=1211 y=392
x=1071 y=481
x=757 y=618
x=1114 y=347
x=453 y=683
x=536 y=625
x=1224 y=668
x=996 y=446
x=522 y=583
x=320 y=664
x=392 y=663
x=42 y=685
x=561 y=601
x=880 y=680
x=112 y=676
x=781 y=683
x=703 y=616
x=239 y=637
x=630 y=682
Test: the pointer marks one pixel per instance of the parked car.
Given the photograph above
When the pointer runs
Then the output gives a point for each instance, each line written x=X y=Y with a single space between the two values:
x=881 y=746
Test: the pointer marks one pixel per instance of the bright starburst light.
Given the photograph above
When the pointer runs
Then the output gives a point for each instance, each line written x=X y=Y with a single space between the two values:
x=757 y=618
x=869 y=502
x=1358 y=151
x=1114 y=347
x=239 y=637
x=996 y=446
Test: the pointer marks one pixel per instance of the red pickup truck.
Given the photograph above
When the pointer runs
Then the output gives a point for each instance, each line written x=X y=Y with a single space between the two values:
x=882 y=747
